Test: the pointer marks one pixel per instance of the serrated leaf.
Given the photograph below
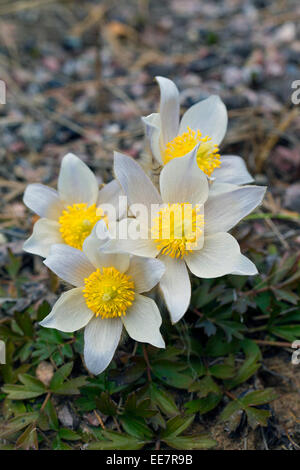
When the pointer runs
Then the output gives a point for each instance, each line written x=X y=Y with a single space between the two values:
x=168 y=372
x=231 y=408
x=222 y=371
x=244 y=373
x=28 y=440
x=72 y=386
x=177 y=425
x=136 y=427
x=32 y=383
x=201 y=442
x=51 y=414
x=204 y=386
x=60 y=376
x=287 y=332
x=20 y=392
x=163 y=400
x=204 y=405
x=128 y=374
x=259 y=397
x=106 y=405
x=24 y=322
x=288 y=295
x=257 y=417
x=16 y=424
x=116 y=441
x=68 y=434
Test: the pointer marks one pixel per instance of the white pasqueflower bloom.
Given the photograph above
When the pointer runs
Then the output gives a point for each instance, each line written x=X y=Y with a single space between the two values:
x=106 y=297
x=69 y=214
x=203 y=244
x=203 y=125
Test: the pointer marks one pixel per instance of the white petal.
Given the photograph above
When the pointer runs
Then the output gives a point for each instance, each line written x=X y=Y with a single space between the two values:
x=153 y=131
x=142 y=321
x=233 y=170
x=44 y=201
x=209 y=116
x=216 y=188
x=45 y=234
x=220 y=255
x=224 y=211
x=110 y=194
x=69 y=264
x=176 y=287
x=181 y=180
x=101 y=338
x=92 y=248
x=134 y=181
x=145 y=272
x=76 y=182
x=168 y=109
x=69 y=313
x=244 y=267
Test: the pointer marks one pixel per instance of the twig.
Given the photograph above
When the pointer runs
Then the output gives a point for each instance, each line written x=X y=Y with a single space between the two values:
x=45 y=401
x=147 y=363
x=279 y=344
x=100 y=420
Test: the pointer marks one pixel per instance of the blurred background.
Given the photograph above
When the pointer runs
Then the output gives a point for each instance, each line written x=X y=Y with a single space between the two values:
x=80 y=74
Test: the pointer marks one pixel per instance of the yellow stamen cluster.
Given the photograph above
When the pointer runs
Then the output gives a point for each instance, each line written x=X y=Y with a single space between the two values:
x=176 y=229
x=208 y=157
x=108 y=292
x=77 y=222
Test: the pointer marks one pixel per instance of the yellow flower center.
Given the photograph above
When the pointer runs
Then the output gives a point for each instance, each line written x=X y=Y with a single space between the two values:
x=77 y=222
x=177 y=228
x=108 y=292
x=208 y=157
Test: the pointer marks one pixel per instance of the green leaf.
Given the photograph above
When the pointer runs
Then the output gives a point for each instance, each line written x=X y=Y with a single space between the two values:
x=257 y=417
x=288 y=295
x=259 y=397
x=24 y=322
x=32 y=383
x=116 y=441
x=136 y=427
x=68 y=434
x=163 y=400
x=244 y=373
x=58 y=444
x=60 y=376
x=105 y=404
x=287 y=332
x=222 y=371
x=205 y=386
x=128 y=374
x=229 y=410
x=50 y=412
x=17 y=423
x=167 y=372
x=72 y=386
x=28 y=440
x=200 y=442
x=177 y=425
x=204 y=405
x=20 y=392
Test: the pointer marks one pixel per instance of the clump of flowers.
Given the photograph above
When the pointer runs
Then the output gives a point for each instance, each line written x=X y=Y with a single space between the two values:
x=115 y=257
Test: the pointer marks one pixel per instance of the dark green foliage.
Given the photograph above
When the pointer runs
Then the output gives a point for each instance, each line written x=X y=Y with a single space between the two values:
x=206 y=371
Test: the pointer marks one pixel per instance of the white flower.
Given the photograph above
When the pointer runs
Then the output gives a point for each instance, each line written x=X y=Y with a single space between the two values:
x=69 y=214
x=203 y=124
x=106 y=297
x=213 y=253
